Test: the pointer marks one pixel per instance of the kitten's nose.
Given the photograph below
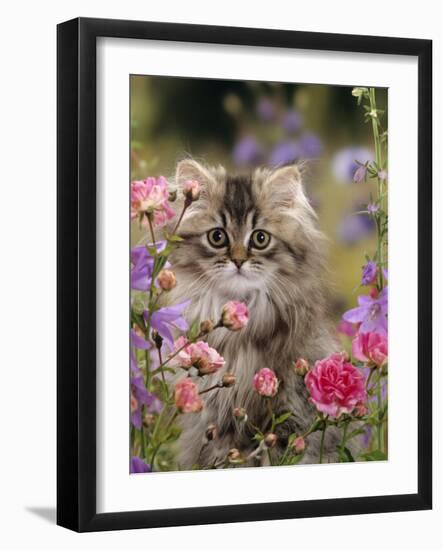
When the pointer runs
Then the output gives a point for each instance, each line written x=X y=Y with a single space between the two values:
x=238 y=262
x=239 y=254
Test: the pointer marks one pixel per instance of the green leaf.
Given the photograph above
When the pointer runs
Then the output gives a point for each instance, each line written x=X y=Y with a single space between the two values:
x=174 y=239
x=354 y=433
x=374 y=455
x=344 y=454
x=194 y=330
x=282 y=418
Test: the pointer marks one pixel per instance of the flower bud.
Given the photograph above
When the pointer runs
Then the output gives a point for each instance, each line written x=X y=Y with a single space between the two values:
x=358 y=91
x=301 y=367
x=373 y=293
x=166 y=279
x=240 y=413
x=211 y=432
x=191 y=190
x=360 y=410
x=270 y=440
x=138 y=305
x=228 y=380
x=234 y=456
x=206 y=326
x=299 y=445
x=172 y=196
x=134 y=404
x=148 y=420
x=138 y=331
x=158 y=340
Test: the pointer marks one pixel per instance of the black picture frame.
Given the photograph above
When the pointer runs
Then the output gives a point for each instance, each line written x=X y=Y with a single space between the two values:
x=76 y=280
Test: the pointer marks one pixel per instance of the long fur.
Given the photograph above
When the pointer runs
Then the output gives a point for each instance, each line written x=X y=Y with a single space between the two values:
x=284 y=289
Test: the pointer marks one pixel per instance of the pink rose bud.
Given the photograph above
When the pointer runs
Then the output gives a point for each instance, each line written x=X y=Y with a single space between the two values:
x=335 y=385
x=235 y=315
x=166 y=279
x=186 y=397
x=211 y=432
x=234 y=456
x=301 y=367
x=228 y=380
x=198 y=355
x=191 y=190
x=206 y=326
x=270 y=440
x=240 y=413
x=370 y=347
x=360 y=410
x=299 y=445
x=206 y=359
x=266 y=383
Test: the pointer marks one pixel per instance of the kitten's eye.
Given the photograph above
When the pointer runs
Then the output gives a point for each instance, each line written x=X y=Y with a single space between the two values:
x=217 y=238
x=260 y=239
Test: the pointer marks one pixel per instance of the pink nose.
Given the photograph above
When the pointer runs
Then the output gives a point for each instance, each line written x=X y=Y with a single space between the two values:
x=238 y=262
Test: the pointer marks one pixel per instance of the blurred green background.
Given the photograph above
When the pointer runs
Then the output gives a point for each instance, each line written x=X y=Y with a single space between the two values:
x=245 y=124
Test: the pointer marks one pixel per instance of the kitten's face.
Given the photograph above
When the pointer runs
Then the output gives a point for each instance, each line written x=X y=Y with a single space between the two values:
x=245 y=234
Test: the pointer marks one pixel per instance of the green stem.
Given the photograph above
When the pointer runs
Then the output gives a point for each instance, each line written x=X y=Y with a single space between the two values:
x=142 y=438
x=151 y=229
x=380 y=422
x=322 y=442
x=343 y=441
x=185 y=206
x=162 y=371
x=160 y=443
x=379 y=163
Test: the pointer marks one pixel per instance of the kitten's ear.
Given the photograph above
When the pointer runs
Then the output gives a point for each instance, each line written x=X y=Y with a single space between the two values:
x=283 y=187
x=190 y=169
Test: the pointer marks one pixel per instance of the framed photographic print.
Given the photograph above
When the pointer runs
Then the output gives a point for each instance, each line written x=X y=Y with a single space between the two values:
x=244 y=274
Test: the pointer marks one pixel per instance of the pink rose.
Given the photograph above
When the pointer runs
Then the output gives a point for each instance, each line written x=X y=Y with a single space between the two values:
x=150 y=196
x=200 y=355
x=186 y=396
x=191 y=190
x=266 y=383
x=335 y=385
x=370 y=347
x=235 y=315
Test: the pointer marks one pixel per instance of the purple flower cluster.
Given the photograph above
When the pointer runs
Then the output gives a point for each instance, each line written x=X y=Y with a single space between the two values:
x=289 y=142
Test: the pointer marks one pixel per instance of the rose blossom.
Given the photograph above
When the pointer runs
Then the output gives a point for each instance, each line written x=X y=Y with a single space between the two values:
x=186 y=397
x=191 y=190
x=150 y=196
x=235 y=315
x=266 y=383
x=335 y=385
x=206 y=359
x=370 y=347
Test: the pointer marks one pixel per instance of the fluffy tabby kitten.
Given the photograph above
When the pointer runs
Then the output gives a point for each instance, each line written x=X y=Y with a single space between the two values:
x=254 y=239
